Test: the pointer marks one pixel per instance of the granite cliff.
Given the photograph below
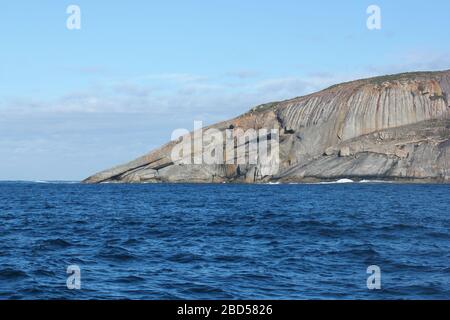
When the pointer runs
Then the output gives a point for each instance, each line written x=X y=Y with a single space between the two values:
x=394 y=127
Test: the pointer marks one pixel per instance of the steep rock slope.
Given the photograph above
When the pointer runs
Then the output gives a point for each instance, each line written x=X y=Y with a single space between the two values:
x=390 y=127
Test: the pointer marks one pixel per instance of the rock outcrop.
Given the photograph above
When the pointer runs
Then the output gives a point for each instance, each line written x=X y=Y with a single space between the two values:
x=393 y=127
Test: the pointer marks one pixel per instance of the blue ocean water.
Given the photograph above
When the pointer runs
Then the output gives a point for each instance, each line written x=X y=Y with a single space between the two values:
x=225 y=241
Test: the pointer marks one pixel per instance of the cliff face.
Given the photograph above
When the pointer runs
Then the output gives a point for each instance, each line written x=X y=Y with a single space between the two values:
x=391 y=127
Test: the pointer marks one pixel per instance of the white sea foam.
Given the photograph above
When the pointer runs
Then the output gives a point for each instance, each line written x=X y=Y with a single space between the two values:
x=375 y=181
x=53 y=181
x=338 y=181
x=344 y=181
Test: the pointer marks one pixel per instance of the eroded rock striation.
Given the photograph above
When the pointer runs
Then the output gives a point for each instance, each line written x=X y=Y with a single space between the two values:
x=393 y=127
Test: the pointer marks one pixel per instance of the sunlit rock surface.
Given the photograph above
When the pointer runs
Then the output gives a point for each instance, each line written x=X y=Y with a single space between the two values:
x=393 y=127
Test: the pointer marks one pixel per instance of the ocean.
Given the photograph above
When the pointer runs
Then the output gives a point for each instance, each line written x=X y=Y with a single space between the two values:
x=227 y=241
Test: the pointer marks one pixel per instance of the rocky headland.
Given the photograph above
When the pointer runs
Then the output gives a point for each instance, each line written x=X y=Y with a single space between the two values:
x=394 y=127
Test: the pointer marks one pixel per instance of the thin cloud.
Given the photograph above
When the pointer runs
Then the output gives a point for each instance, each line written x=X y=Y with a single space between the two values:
x=244 y=74
x=182 y=94
x=166 y=94
x=413 y=61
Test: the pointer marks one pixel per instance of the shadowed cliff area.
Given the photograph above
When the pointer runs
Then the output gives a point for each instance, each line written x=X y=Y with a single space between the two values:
x=394 y=127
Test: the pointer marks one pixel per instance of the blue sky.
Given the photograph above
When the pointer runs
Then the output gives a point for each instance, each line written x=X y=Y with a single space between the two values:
x=73 y=102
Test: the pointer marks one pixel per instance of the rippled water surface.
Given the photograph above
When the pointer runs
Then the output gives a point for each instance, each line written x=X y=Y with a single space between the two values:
x=224 y=241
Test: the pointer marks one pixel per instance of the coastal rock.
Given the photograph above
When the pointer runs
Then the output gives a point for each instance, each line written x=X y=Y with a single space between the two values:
x=344 y=152
x=394 y=127
x=402 y=154
x=330 y=151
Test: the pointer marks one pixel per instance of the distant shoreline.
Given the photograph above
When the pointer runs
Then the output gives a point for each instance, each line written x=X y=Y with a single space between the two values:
x=303 y=182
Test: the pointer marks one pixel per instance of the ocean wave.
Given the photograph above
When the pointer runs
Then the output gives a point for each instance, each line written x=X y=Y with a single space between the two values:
x=56 y=182
x=131 y=279
x=9 y=273
x=115 y=253
x=376 y=181
x=200 y=289
x=42 y=181
x=336 y=182
x=50 y=244
x=185 y=257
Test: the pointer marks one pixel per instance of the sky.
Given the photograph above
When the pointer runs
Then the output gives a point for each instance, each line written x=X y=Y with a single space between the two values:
x=74 y=102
